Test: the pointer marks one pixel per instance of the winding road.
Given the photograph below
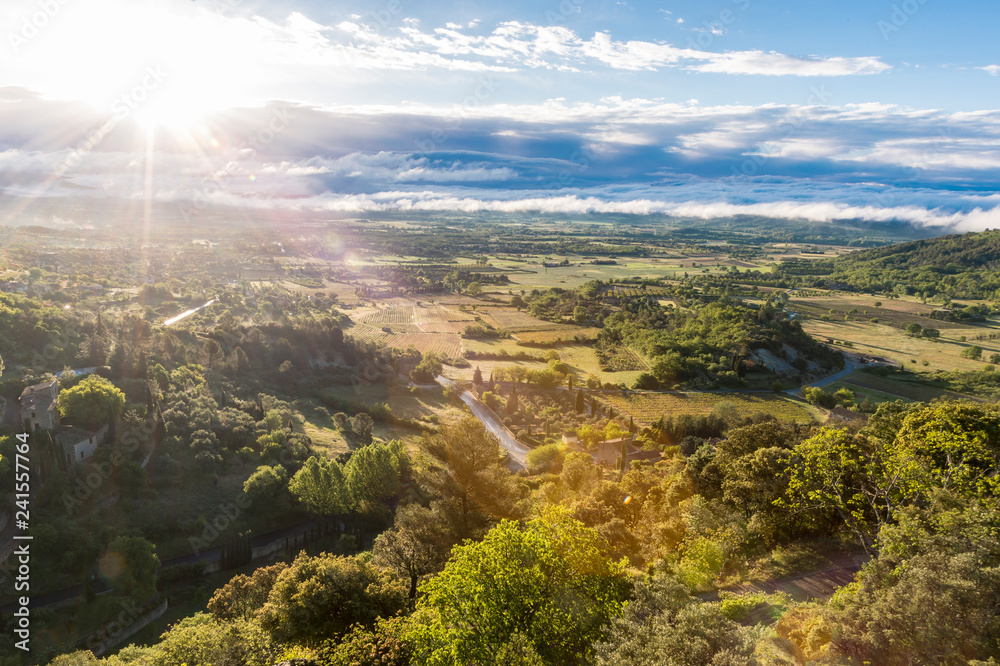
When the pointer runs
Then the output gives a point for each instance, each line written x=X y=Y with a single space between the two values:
x=518 y=452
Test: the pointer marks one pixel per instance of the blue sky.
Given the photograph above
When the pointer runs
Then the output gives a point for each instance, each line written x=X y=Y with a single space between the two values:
x=816 y=110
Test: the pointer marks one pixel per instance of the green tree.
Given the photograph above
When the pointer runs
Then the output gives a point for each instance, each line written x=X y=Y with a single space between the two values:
x=477 y=376
x=952 y=445
x=212 y=354
x=362 y=424
x=430 y=366
x=589 y=435
x=414 y=547
x=844 y=396
x=663 y=624
x=321 y=486
x=322 y=597
x=265 y=482
x=130 y=565
x=244 y=595
x=818 y=396
x=246 y=454
x=239 y=361
x=913 y=330
x=385 y=644
x=91 y=402
x=201 y=639
x=464 y=468
x=612 y=430
x=848 y=474
x=551 y=581
x=974 y=352
x=931 y=595
x=646 y=382
x=754 y=482
x=372 y=475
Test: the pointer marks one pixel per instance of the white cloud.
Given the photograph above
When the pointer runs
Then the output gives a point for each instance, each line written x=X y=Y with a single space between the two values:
x=778 y=64
x=992 y=69
x=816 y=211
x=940 y=153
x=870 y=161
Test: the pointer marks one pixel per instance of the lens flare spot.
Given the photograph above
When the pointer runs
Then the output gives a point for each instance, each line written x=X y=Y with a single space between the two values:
x=111 y=565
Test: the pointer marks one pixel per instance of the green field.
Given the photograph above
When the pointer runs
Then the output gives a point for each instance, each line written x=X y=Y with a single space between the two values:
x=895 y=388
x=850 y=321
x=646 y=408
x=421 y=404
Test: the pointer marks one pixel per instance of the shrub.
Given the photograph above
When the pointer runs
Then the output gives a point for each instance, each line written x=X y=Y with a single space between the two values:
x=975 y=352
x=543 y=458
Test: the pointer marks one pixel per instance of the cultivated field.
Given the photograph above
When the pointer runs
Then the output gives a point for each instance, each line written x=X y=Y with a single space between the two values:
x=646 y=408
x=510 y=319
x=893 y=343
x=898 y=312
x=446 y=345
x=898 y=389
x=562 y=335
x=396 y=314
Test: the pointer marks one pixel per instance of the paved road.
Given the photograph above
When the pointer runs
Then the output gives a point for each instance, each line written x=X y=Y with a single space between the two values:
x=518 y=452
x=849 y=366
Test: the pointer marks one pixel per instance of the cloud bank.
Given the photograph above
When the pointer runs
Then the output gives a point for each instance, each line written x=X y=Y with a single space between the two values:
x=819 y=162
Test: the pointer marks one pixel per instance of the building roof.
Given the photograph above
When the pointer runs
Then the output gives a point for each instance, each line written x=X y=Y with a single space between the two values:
x=39 y=397
x=72 y=436
x=607 y=452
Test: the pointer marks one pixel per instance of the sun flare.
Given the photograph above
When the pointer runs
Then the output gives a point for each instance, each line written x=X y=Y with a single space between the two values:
x=160 y=63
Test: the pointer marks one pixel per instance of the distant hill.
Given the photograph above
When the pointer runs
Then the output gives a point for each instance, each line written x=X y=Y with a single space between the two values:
x=958 y=266
x=949 y=253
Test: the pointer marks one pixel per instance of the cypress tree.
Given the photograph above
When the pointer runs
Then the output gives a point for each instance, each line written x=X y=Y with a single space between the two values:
x=512 y=401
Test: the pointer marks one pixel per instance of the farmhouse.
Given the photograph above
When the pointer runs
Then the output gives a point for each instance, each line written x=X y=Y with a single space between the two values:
x=77 y=444
x=608 y=453
x=38 y=405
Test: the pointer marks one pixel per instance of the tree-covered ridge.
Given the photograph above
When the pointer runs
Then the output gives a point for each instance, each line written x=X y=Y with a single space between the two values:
x=707 y=343
x=971 y=250
x=957 y=266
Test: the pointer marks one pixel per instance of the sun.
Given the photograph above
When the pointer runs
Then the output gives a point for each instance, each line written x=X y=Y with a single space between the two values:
x=155 y=62
x=173 y=104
